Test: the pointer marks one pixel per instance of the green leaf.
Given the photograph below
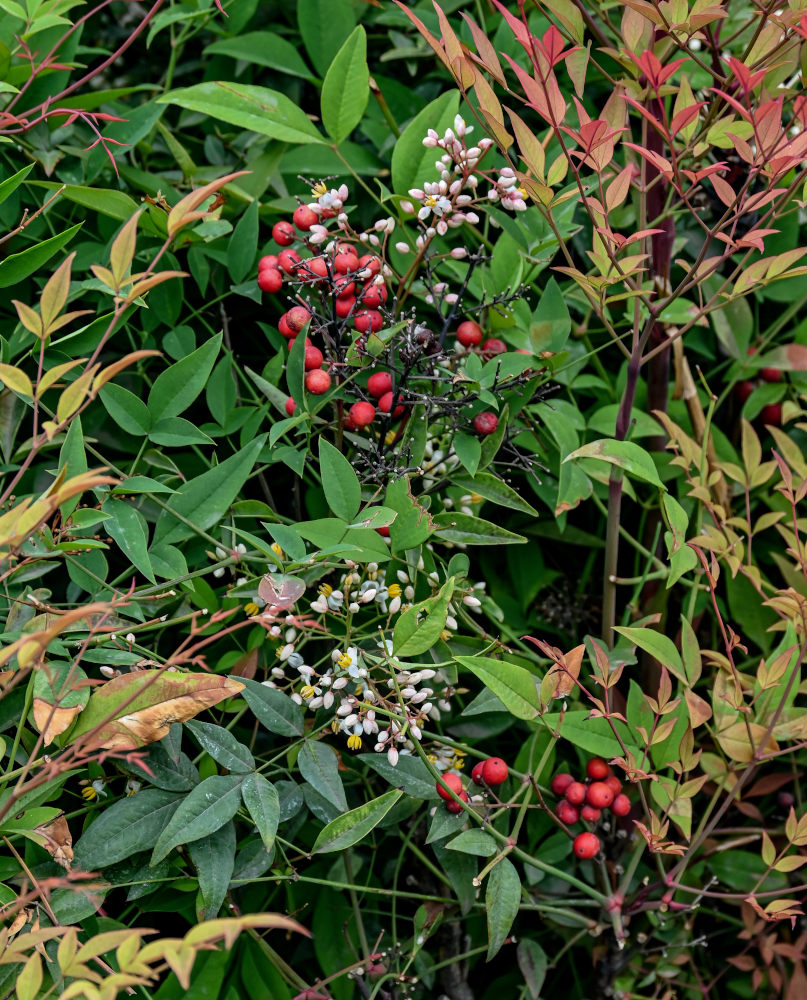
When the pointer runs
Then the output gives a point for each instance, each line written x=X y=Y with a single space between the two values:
x=551 y=323
x=261 y=799
x=475 y=842
x=127 y=826
x=502 y=899
x=489 y=486
x=211 y=804
x=274 y=710
x=214 y=860
x=470 y=530
x=514 y=686
x=10 y=184
x=73 y=458
x=410 y=774
x=243 y=246
x=204 y=500
x=412 y=636
x=346 y=89
x=533 y=963
x=468 y=450
x=492 y=443
x=128 y=411
x=339 y=481
x=353 y=826
x=176 y=388
x=257 y=109
x=222 y=746
x=593 y=736
x=176 y=432
x=319 y=765
x=16 y=267
x=263 y=48
x=626 y=455
x=324 y=25
x=413 y=525
x=412 y=162
x=128 y=529
x=657 y=645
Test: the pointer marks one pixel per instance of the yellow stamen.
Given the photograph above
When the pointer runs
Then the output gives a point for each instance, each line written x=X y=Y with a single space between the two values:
x=445 y=635
x=251 y=609
x=344 y=661
x=394 y=590
x=307 y=692
x=325 y=589
x=354 y=742
x=277 y=550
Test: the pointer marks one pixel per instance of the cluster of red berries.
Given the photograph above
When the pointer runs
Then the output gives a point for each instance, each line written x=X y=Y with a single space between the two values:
x=491 y=772
x=586 y=801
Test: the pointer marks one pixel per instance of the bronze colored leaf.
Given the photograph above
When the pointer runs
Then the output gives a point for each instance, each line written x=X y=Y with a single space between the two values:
x=58 y=841
x=51 y=720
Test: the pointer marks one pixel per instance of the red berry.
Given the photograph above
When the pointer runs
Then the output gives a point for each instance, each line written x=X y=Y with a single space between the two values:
x=453 y=781
x=369 y=262
x=317 y=382
x=344 y=287
x=344 y=307
x=772 y=414
x=285 y=329
x=770 y=375
x=469 y=334
x=599 y=795
x=313 y=358
x=345 y=260
x=268 y=261
x=373 y=295
x=784 y=800
x=455 y=807
x=368 y=319
x=290 y=406
x=304 y=217
x=561 y=782
x=567 y=813
x=621 y=805
x=597 y=769
x=379 y=383
x=614 y=784
x=486 y=423
x=586 y=845
x=297 y=317
x=288 y=260
x=362 y=414
x=743 y=390
x=314 y=268
x=576 y=793
x=283 y=233
x=270 y=280
x=476 y=774
x=494 y=771
x=383 y=531
x=492 y=347
x=385 y=404
x=590 y=814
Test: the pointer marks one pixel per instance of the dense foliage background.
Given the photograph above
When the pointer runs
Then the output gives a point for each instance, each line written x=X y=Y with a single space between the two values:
x=386 y=388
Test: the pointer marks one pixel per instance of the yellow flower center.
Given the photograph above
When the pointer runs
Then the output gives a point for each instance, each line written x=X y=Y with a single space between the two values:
x=354 y=742
x=445 y=635
x=389 y=438
x=318 y=190
x=523 y=192
x=394 y=590
x=307 y=692
x=335 y=725
x=344 y=661
x=476 y=498
x=325 y=589
x=251 y=609
x=277 y=550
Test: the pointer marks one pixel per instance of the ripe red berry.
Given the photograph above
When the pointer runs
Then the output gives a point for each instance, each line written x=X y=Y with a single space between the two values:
x=385 y=404
x=368 y=319
x=486 y=423
x=345 y=260
x=743 y=390
x=344 y=287
x=267 y=261
x=290 y=406
x=771 y=414
x=586 y=845
x=567 y=813
x=344 y=307
x=362 y=414
x=379 y=383
x=621 y=805
x=297 y=317
x=270 y=280
x=373 y=295
x=455 y=807
x=317 y=382
x=576 y=793
x=314 y=268
x=494 y=771
x=770 y=375
x=383 y=531
x=561 y=782
x=590 y=814
x=476 y=773
x=304 y=217
x=599 y=795
x=469 y=334
x=313 y=358
x=369 y=262
x=614 y=783
x=597 y=769
x=288 y=260
x=283 y=233
x=453 y=781
x=492 y=347
x=285 y=329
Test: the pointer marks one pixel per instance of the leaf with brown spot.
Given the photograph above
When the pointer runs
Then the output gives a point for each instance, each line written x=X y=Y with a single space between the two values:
x=57 y=841
x=61 y=690
x=139 y=708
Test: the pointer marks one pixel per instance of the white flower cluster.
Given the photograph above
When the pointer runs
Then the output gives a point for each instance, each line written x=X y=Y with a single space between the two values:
x=356 y=590
x=508 y=192
x=239 y=550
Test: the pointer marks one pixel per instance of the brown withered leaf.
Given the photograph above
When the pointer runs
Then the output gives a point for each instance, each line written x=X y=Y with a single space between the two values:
x=139 y=708
x=58 y=841
x=51 y=720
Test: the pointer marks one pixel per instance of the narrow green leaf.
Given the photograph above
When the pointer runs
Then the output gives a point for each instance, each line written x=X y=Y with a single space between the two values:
x=176 y=388
x=353 y=826
x=626 y=455
x=502 y=899
x=489 y=486
x=128 y=529
x=10 y=184
x=324 y=25
x=475 y=842
x=470 y=530
x=593 y=736
x=127 y=411
x=214 y=860
x=346 y=89
x=18 y=266
x=469 y=451
x=130 y=825
x=243 y=246
x=514 y=686
x=410 y=774
x=274 y=710
x=211 y=804
x=261 y=799
x=222 y=746
x=263 y=48
x=319 y=766
x=657 y=645
x=533 y=963
x=412 y=636
x=339 y=481
x=412 y=162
